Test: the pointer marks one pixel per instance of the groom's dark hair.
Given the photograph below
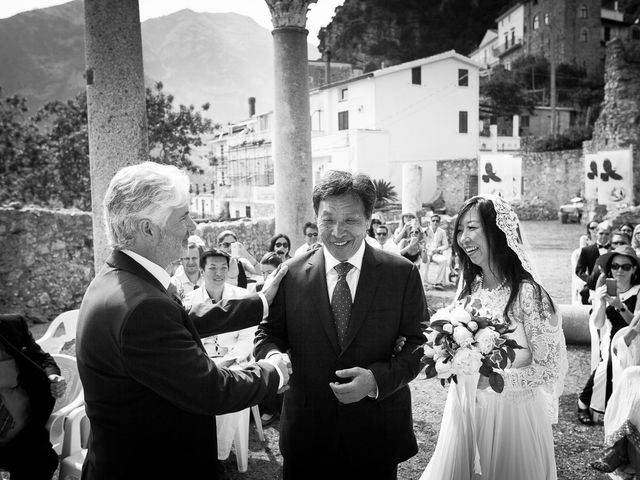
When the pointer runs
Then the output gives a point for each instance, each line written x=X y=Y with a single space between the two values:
x=336 y=182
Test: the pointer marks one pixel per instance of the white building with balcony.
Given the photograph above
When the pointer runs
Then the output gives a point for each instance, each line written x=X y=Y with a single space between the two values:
x=417 y=112
x=485 y=55
x=510 y=35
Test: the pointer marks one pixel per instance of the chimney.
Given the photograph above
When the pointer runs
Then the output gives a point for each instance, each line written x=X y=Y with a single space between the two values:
x=327 y=70
x=252 y=106
x=615 y=6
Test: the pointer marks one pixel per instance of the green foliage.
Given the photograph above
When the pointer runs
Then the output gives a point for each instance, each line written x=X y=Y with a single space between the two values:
x=504 y=95
x=45 y=158
x=534 y=209
x=385 y=193
x=571 y=139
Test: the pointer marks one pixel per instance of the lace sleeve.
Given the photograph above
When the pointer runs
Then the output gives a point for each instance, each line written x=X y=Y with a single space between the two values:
x=543 y=329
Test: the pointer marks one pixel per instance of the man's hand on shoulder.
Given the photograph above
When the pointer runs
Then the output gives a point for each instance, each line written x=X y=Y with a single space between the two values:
x=272 y=282
x=362 y=383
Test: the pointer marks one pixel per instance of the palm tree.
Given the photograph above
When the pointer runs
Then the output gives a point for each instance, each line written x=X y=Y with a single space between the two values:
x=385 y=193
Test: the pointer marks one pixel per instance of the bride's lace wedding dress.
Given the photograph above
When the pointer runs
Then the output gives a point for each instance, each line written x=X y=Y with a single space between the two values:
x=507 y=436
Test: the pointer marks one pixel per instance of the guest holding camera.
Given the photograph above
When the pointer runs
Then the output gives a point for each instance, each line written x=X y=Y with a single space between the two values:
x=616 y=302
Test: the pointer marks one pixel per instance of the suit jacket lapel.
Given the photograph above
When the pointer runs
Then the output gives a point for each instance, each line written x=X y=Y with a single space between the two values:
x=367 y=285
x=317 y=282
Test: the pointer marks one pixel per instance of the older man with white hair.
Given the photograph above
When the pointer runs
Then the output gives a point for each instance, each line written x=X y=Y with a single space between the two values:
x=151 y=391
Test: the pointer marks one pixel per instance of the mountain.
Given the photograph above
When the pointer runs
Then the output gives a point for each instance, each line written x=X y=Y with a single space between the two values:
x=221 y=58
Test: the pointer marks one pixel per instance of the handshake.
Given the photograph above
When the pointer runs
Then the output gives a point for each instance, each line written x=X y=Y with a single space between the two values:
x=282 y=362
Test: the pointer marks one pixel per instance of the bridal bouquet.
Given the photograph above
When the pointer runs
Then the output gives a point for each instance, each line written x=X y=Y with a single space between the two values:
x=464 y=339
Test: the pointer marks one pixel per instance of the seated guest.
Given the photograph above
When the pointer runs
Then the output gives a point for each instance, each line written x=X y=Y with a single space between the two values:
x=310 y=231
x=585 y=266
x=189 y=278
x=281 y=245
x=610 y=313
x=242 y=264
x=232 y=349
x=30 y=382
x=622 y=419
x=268 y=263
x=384 y=242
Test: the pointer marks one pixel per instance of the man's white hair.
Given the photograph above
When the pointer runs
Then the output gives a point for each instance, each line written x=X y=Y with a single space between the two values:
x=147 y=190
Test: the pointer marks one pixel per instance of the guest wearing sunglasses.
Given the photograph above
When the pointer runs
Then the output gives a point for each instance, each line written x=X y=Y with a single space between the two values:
x=611 y=312
x=243 y=265
x=383 y=240
x=310 y=231
x=590 y=237
x=280 y=244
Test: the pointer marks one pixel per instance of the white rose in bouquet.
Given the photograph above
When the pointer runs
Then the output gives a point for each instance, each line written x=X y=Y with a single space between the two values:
x=447 y=327
x=472 y=325
x=441 y=314
x=466 y=361
x=443 y=369
x=439 y=352
x=486 y=338
x=429 y=352
x=459 y=315
x=462 y=336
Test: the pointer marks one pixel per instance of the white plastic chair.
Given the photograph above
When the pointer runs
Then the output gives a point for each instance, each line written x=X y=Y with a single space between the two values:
x=74 y=446
x=72 y=399
x=51 y=341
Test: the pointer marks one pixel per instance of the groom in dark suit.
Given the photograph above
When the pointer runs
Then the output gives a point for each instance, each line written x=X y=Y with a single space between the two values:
x=151 y=391
x=338 y=313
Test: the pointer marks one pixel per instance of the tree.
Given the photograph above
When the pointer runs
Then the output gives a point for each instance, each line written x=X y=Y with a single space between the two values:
x=385 y=193
x=502 y=94
x=46 y=157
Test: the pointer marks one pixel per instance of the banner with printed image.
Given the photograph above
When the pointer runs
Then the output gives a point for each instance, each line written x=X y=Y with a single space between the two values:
x=500 y=174
x=591 y=176
x=615 y=177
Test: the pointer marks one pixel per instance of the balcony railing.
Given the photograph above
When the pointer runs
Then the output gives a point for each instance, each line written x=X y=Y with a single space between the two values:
x=504 y=48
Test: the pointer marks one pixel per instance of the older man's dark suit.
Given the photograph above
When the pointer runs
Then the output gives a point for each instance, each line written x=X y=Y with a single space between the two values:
x=319 y=437
x=30 y=451
x=151 y=392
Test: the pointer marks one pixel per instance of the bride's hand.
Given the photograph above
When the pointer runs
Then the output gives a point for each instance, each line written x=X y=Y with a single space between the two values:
x=483 y=383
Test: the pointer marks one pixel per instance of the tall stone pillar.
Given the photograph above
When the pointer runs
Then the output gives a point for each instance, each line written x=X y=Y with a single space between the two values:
x=115 y=100
x=292 y=129
x=411 y=188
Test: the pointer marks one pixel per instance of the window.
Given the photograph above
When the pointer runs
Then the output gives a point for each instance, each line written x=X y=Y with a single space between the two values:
x=247 y=211
x=470 y=186
x=536 y=22
x=607 y=34
x=344 y=94
x=416 y=75
x=584 y=35
x=583 y=11
x=462 y=122
x=524 y=121
x=463 y=77
x=343 y=120
x=506 y=41
x=546 y=19
x=513 y=37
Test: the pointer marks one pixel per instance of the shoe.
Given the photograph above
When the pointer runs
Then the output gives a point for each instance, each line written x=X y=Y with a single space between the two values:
x=584 y=416
x=267 y=419
x=609 y=462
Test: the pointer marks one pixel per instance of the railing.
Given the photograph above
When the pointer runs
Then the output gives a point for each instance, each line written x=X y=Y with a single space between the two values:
x=503 y=49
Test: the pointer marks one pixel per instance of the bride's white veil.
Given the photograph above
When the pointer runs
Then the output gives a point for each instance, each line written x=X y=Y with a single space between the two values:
x=508 y=223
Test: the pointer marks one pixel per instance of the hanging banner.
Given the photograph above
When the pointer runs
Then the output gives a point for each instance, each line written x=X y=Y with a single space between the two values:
x=615 y=177
x=591 y=176
x=500 y=174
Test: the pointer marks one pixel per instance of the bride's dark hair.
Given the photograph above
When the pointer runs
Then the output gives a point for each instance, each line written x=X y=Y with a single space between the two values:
x=503 y=259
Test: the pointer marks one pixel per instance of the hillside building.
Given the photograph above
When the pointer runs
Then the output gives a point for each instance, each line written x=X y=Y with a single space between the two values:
x=417 y=112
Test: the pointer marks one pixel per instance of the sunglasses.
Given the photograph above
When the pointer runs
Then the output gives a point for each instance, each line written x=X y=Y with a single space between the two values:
x=312 y=235
x=595 y=227
x=435 y=220
x=225 y=244
x=626 y=266
x=381 y=234
x=280 y=244
x=415 y=233
x=618 y=243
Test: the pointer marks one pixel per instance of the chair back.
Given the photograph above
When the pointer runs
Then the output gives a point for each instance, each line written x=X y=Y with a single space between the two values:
x=69 y=370
x=61 y=330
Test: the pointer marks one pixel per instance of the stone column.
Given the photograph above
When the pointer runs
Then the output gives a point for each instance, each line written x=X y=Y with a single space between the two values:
x=292 y=129
x=116 y=103
x=411 y=188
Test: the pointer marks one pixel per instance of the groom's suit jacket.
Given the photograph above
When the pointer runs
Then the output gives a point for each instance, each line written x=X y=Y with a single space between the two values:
x=151 y=392
x=389 y=302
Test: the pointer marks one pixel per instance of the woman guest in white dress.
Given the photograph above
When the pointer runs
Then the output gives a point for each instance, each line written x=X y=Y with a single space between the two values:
x=502 y=436
x=227 y=349
x=622 y=419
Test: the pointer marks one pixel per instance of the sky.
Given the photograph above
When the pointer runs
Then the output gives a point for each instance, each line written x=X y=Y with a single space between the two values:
x=319 y=15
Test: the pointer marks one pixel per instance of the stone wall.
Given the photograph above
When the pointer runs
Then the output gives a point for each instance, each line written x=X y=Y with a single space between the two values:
x=553 y=177
x=618 y=125
x=46 y=260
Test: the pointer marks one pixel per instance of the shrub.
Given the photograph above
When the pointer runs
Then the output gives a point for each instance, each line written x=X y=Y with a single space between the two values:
x=534 y=209
x=571 y=139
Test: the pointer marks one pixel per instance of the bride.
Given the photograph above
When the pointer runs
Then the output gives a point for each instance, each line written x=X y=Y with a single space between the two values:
x=501 y=436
